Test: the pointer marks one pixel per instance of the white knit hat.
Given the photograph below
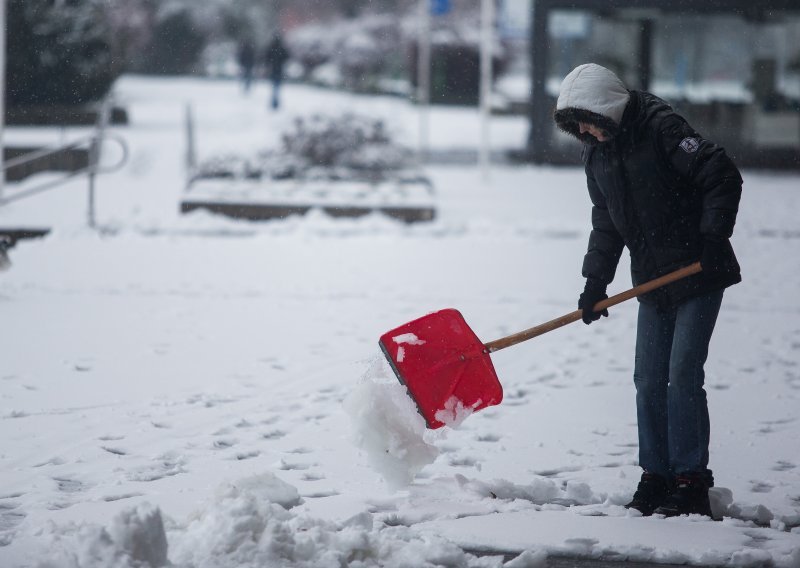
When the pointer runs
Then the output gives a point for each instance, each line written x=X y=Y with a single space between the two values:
x=593 y=94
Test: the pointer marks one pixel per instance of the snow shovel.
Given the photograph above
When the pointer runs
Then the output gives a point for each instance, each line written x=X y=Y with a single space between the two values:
x=447 y=369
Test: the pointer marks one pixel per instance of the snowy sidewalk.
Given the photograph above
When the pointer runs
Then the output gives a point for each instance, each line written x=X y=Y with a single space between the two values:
x=174 y=388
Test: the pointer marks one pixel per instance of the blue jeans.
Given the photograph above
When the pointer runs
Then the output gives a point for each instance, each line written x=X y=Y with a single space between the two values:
x=671 y=405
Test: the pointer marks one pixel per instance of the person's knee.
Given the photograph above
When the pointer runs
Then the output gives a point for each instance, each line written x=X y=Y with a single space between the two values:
x=649 y=382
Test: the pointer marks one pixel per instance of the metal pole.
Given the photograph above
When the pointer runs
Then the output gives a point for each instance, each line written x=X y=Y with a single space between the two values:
x=94 y=151
x=2 y=92
x=94 y=154
x=487 y=39
x=645 y=53
x=191 y=152
x=539 y=136
x=424 y=75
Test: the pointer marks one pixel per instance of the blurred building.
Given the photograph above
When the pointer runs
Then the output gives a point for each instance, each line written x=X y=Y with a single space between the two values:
x=731 y=67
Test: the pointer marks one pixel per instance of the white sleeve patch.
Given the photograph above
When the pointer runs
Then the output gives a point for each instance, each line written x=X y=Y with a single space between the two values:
x=690 y=145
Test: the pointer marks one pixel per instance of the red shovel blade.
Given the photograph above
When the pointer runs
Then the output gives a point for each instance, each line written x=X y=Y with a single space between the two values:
x=442 y=362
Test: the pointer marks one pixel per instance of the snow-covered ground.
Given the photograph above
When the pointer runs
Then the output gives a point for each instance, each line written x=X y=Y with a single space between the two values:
x=204 y=392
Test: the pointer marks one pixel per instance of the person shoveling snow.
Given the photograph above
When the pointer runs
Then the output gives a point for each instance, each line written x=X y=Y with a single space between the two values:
x=676 y=219
x=671 y=197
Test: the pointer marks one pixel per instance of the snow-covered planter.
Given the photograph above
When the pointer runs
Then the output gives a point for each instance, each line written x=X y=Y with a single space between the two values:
x=345 y=165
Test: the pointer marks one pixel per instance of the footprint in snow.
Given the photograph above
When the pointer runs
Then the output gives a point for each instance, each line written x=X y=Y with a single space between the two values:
x=52 y=461
x=209 y=401
x=546 y=378
x=113 y=450
x=761 y=487
x=240 y=456
x=555 y=472
x=273 y=435
x=487 y=438
x=464 y=461
x=619 y=453
x=310 y=476
x=313 y=417
x=10 y=517
x=515 y=394
x=164 y=466
x=769 y=425
x=224 y=443
x=294 y=466
x=783 y=466
x=67 y=485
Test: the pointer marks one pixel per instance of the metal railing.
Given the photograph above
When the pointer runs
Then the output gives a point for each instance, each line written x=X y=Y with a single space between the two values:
x=94 y=142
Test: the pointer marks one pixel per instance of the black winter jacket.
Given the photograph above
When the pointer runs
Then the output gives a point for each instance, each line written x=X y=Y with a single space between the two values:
x=660 y=189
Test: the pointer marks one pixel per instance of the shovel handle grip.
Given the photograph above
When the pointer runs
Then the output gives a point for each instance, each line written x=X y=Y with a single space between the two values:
x=504 y=342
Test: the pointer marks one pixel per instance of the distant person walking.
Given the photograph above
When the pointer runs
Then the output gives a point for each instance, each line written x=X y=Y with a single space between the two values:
x=246 y=57
x=275 y=58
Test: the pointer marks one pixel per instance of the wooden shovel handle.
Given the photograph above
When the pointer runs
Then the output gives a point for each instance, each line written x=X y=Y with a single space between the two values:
x=504 y=342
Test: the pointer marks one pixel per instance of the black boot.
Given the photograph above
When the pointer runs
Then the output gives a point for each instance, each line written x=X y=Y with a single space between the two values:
x=650 y=494
x=690 y=497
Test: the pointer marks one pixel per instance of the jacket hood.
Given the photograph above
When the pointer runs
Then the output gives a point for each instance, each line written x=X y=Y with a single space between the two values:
x=592 y=94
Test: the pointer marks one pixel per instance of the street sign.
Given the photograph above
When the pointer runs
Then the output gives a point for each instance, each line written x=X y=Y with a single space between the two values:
x=440 y=7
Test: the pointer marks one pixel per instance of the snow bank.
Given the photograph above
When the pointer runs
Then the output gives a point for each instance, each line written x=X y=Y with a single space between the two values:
x=135 y=539
x=241 y=529
x=247 y=524
x=388 y=427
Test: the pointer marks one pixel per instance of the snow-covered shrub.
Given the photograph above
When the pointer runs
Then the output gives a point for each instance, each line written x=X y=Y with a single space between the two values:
x=348 y=140
x=341 y=147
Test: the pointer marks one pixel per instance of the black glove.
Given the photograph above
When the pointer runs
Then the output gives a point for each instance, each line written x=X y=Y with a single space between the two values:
x=592 y=293
x=716 y=256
